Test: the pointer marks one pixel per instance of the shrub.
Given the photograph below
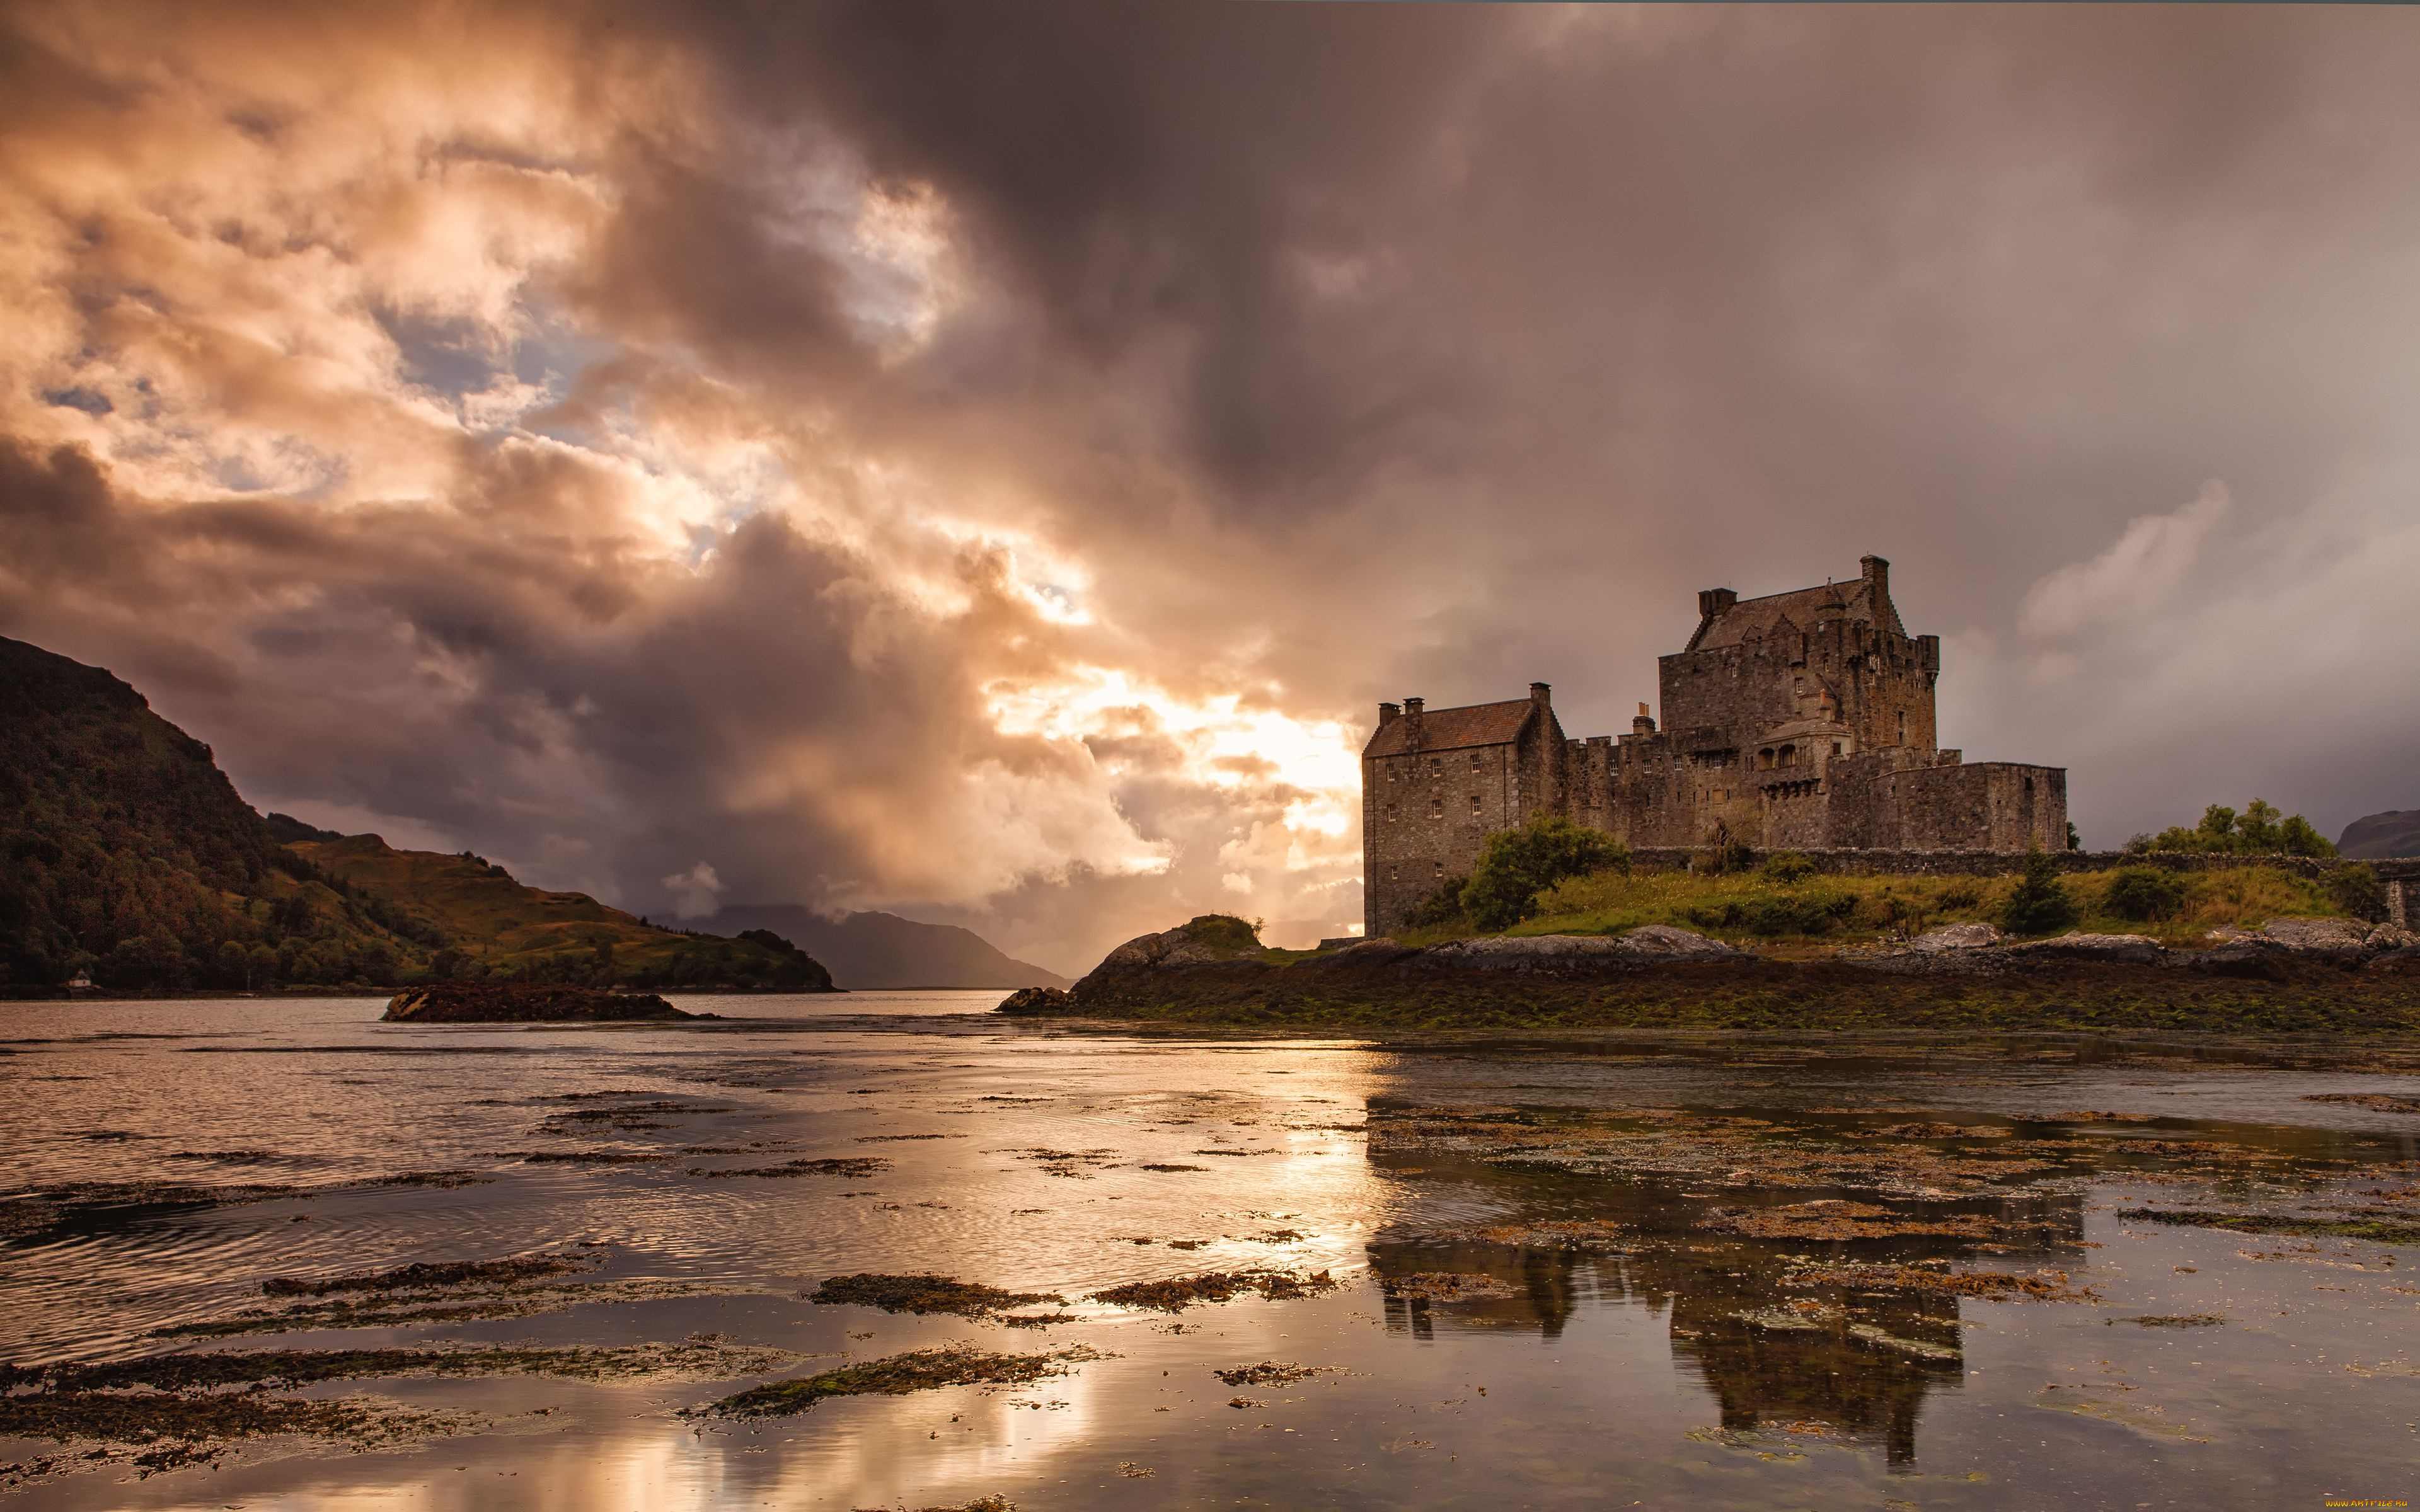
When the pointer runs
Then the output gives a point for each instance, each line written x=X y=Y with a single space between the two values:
x=1786 y=867
x=1443 y=905
x=1963 y=893
x=1728 y=853
x=2356 y=889
x=2143 y=892
x=1518 y=864
x=2040 y=902
x=1223 y=932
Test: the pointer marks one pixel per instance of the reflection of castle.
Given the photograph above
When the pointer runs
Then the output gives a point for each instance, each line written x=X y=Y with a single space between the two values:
x=1856 y=1360
x=1801 y=720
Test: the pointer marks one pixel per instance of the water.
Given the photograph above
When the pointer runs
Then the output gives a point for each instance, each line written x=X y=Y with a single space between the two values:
x=1703 y=1354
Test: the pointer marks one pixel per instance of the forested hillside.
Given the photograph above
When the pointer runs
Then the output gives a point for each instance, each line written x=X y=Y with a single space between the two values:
x=126 y=854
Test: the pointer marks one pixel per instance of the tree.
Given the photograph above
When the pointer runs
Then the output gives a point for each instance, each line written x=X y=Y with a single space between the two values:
x=1518 y=864
x=2258 y=830
x=2074 y=838
x=2040 y=902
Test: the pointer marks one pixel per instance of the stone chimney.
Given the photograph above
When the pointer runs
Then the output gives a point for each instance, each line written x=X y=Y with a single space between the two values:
x=1645 y=723
x=1542 y=694
x=1715 y=602
x=1389 y=714
x=1412 y=708
x=1877 y=572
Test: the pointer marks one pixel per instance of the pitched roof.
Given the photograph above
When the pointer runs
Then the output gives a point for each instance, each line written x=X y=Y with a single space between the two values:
x=1760 y=618
x=1475 y=724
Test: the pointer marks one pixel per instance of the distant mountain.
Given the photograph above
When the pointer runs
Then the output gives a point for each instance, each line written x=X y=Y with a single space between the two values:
x=2381 y=835
x=125 y=853
x=871 y=951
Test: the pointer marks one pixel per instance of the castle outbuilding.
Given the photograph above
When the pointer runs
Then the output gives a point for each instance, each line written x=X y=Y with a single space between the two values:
x=1800 y=721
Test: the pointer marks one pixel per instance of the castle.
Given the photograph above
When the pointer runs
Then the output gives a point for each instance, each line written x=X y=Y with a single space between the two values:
x=1799 y=720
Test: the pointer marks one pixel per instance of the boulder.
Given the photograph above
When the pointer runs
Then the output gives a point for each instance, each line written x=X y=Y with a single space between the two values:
x=1663 y=941
x=1955 y=937
x=1031 y=1001
x=1522 y=952
x=2329 y=935
x=2404 y=960
x=1174 y=948
x=2137 y=949
x=2393 y=937
x=2239 y=955
x=1536 y=952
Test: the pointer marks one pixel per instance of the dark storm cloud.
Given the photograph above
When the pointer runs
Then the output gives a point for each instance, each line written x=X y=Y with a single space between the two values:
x=1312 y=354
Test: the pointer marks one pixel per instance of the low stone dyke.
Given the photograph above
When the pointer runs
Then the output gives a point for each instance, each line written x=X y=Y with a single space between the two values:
x=2002 y=863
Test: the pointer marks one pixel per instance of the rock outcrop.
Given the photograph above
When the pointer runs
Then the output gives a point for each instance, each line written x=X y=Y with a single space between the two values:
x=480 y=1002
x=1213 y=968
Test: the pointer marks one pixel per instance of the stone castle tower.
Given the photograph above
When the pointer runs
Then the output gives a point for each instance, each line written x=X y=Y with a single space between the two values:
x=1800 y=721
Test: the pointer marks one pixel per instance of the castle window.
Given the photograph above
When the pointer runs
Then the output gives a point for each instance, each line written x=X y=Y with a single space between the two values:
x=1391 y=813
x=1436 y=764
x=1394 y=874
x=1903 y=727
x=1798 y=686
x=1789 y=755
x=1835 y=748
x=1436 y=808
x=1764 y=760
x=1440 y=869
x=1474 y=760
x=1474 y=799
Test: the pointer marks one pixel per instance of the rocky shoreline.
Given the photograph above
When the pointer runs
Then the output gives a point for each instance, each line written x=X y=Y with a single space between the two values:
x=2296 y=975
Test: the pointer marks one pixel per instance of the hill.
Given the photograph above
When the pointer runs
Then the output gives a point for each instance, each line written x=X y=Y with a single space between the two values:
x=870 y=951
x=126 y=854
x=492 y=925
x=2379 y=837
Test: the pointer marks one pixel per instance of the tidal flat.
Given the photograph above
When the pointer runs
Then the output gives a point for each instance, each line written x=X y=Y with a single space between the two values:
x=887 y=1250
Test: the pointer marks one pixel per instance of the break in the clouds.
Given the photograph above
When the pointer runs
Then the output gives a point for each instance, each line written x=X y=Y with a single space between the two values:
x=987 y=460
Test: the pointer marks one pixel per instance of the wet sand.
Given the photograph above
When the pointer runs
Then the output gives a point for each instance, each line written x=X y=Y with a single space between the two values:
x=1725 y=1272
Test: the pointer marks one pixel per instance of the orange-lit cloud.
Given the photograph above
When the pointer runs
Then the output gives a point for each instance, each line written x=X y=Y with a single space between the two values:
x=988 y=462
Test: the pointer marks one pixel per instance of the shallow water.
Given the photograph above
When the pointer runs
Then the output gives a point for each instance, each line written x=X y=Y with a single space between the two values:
x=1684 y=1361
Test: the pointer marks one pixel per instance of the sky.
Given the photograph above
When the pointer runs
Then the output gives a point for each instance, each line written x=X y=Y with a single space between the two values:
x=987 y=462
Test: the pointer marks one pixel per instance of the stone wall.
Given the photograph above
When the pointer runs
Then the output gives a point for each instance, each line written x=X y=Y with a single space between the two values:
x=2000 y=864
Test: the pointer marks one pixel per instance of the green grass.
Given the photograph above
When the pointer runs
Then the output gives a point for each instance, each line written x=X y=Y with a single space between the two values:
x=1750 y=908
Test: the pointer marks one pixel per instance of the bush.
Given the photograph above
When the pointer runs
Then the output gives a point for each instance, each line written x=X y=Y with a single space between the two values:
x=1770 y=914
x=1443 y=905
x=2040 y=902
x=1223 y=932
x=1518 y=864
x=1786 y=867
x=2355 y=889
x=2143 y=893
